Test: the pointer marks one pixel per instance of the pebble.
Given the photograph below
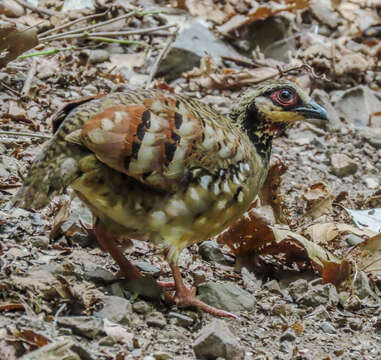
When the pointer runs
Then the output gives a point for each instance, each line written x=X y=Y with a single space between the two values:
x=216 y=340
x=320 y=294
x=147 y=268
x=342 y=165
x=210 y=251
x=288 y=335
x=115 y=309
x=156 y=319
x=141 y=307
x=180 y=319
x=327 y=327
x=227 y=296
x=87 y=326
x=362 y=286
x=96 y=56
x=273 y=286
x=298 y=288
x=355 y=324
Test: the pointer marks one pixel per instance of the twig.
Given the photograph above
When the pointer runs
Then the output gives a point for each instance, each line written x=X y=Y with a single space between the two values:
x=90 y=27
x=39 y=10
x=27 y=134
x=47 y=52
x=86 y=34
x=159 y=58
x=58 y=313
x=28 y=82
x=10 y=89
x=64 y=26
x=126 y=42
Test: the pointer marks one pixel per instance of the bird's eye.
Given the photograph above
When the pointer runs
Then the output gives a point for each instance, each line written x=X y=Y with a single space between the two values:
x=285 y=97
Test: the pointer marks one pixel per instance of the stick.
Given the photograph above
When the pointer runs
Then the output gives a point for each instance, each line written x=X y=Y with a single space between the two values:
x=27 y=134
x=64 y=26
x=159 y=58
x=41 y=11
x=10 y=89
x=85 y=34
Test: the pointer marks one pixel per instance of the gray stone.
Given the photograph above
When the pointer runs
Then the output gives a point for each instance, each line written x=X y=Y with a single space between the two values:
x=180 y=319
x=210 y=251
x=327 y=327
x=320 y=294
x=156 y=319
x=115 y=309
x=216 y=340
x=288 y=335
x=320 y=313
x=226 y=296
x=357 y=105
x=41 y=242
x=362 y=286
x=11 y=8
x=273 y=286
x=353 y=239
x=87 y=326
x=372 y=136
x=194 y=41
x=342 y=165
x=148 y=268
x=298 y=288
x=281 y=309
x=95 y=272
x=141 y=307
x=323 y=10
x=355 y=323
x=96 y=56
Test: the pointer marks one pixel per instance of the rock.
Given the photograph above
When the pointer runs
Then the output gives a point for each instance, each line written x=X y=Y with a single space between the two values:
x=372 y=136
x=320 y=313
x=116 y=309
x=216 y=340
x=147 y=268
x=210 y=251
x=156 y=319
x=180 y=319
x=352 y=303
x=357 y=105
x=353 y=239
x=250 y=281
x=288 y=335
x=362 y=286
x=342 y=165
x=75 y=5
x=323 y=10
x=87 y=326
x=320 y=294
x=281 y=309
x=355 y=323
x=298 y=288
x=327 y=327
x=273 y=286
x=194 y=41
x=161 y=355
x=58 y=350
x=41 y=242
x=141 y=307
x=11 y=9
x=226 y=296
x=371 y=182
x=95 y=272
x=96 y=56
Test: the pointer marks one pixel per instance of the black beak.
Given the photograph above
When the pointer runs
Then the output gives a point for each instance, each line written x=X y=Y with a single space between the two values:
x=313 y=111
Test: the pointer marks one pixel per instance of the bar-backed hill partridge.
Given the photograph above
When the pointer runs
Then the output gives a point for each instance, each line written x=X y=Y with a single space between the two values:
x=165 y=168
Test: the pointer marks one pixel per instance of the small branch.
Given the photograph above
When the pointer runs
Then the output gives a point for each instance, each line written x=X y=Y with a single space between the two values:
x=10 y=89
x=85 y=34
x=159 y=58
x=29 y=79
x=47 y=52
x=39 y=10
x=64 y=26
x=123 y=42
x=27 y=134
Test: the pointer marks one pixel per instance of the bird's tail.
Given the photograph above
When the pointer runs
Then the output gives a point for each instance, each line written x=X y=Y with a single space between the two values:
x=51 y=171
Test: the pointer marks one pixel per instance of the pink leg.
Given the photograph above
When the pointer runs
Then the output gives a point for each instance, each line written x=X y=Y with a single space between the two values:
x=186 y=297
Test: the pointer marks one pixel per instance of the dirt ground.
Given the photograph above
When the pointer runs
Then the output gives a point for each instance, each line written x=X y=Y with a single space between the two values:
x=59 y=296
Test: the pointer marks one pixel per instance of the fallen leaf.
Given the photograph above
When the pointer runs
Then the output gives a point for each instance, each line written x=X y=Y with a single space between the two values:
x=31 y=338
x=367 y=219
x=11 y=307
x=370 y=256
x=319 y=200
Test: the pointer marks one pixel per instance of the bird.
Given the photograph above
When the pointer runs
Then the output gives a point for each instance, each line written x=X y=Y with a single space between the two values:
x=165 y=168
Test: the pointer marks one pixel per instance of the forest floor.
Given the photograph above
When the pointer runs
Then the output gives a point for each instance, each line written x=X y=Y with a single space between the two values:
x=59 y=296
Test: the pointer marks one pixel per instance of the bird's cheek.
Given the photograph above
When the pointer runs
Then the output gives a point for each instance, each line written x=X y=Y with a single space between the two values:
x=285 y=117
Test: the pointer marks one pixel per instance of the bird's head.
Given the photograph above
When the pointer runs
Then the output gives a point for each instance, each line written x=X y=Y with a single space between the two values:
x=273 y=106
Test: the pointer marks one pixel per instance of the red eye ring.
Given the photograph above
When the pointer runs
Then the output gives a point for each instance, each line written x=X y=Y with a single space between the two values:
x=284 y=97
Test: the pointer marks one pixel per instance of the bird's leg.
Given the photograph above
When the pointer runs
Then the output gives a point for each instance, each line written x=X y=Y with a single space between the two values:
x=129 y=270
x=187 y=297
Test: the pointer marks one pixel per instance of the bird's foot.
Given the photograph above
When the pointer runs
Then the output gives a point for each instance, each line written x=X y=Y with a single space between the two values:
x=187 y=297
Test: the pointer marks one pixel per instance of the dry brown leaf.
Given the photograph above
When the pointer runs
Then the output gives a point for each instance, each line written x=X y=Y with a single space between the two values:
x=15 y=41
x=210 y=10
x=32 y=338
x=370 y=256
x=319 y=200
x=11 y=307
